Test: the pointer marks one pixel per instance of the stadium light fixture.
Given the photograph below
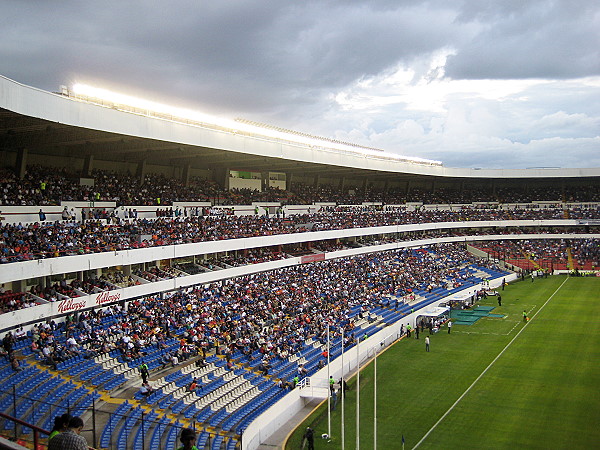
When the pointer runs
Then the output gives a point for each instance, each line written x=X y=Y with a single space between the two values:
x=125 y=102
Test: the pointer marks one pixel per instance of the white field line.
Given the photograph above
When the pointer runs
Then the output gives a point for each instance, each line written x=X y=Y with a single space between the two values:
x=487 y=368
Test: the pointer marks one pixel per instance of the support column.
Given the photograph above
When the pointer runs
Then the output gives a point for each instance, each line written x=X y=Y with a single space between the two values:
x=88 y=164
x=19 y=286
x=185 y=175
x=141 y=171
x=21 y=164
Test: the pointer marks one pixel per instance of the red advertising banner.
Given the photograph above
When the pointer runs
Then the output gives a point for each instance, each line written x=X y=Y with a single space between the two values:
x=312 y=258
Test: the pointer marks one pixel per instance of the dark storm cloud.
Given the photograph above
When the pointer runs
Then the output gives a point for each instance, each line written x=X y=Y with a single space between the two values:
x=531 y=39
x=257 y=52
x=286 y=63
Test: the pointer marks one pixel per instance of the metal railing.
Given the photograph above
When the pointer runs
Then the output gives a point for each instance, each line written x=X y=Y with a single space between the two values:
x=139 y=426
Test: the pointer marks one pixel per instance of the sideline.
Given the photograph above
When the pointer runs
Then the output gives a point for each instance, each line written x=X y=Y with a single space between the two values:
x=487 y=368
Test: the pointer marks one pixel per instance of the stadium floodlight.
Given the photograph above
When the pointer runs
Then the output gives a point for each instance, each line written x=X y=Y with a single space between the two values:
x=105 y=97
x=94 y=93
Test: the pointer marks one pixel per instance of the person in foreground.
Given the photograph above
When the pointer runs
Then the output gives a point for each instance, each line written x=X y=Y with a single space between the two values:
x=70 y=439
x=61 y=424
x=188 y=439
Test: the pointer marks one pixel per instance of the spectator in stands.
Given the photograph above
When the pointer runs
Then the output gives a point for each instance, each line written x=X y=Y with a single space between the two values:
x=20 y=334
x=14 y=364
x=61 y=424
x=35 y=347
x=8 y=342
x=188 y=439
x=146 y=389
x=70 y=439
x=302 y=370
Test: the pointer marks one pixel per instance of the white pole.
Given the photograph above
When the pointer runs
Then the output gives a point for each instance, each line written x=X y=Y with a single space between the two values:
x=328 y=389
x=357 y=394
x=375 y=403
x=343 y=393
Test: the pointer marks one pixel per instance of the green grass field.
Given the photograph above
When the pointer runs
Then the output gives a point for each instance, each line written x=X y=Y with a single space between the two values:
x=496 y=384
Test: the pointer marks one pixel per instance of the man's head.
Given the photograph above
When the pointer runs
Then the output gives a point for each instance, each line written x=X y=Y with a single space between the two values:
x=76 y=424
x=188 y=436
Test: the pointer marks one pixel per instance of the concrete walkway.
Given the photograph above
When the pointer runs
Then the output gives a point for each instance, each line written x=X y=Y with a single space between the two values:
x=277 y=440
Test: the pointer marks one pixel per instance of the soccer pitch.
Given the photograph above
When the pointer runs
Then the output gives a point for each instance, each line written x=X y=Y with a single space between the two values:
x=500 y=383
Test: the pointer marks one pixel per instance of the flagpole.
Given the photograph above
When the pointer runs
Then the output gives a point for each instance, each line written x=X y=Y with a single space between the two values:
x=328 y=388
x=357 y=394
x=343 y=392
x=375 y=403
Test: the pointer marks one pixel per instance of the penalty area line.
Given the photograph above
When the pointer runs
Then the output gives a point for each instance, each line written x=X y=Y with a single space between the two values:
x=486 y=369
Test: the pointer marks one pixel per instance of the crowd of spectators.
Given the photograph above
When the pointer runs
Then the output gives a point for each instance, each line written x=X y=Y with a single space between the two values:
x=51 y=185
x=547 y=253
x=13 y=301
x=22 y=242
x=250 y=256
x=274 y=312
x=585 y=251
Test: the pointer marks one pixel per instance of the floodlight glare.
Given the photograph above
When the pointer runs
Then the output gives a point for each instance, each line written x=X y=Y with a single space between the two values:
x=124 y=102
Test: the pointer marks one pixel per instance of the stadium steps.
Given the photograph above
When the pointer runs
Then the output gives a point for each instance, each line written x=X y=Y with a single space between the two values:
x=528 y=257
x=570 y=259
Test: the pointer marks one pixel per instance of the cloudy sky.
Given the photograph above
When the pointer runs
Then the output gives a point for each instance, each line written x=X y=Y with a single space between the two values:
x=473 y=83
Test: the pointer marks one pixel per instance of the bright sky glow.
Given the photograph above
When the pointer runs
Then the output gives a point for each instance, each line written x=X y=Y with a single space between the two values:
x=91 y=92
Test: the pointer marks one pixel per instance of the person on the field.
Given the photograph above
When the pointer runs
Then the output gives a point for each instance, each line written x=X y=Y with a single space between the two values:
x=309 y=438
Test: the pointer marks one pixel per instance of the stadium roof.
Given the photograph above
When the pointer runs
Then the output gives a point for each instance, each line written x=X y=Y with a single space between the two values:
x=64 y=124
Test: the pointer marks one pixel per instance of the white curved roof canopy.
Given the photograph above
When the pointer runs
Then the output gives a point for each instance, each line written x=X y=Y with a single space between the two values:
x=36 y=103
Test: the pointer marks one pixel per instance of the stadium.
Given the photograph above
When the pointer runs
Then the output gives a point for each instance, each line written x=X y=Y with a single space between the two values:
x=163 y=270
